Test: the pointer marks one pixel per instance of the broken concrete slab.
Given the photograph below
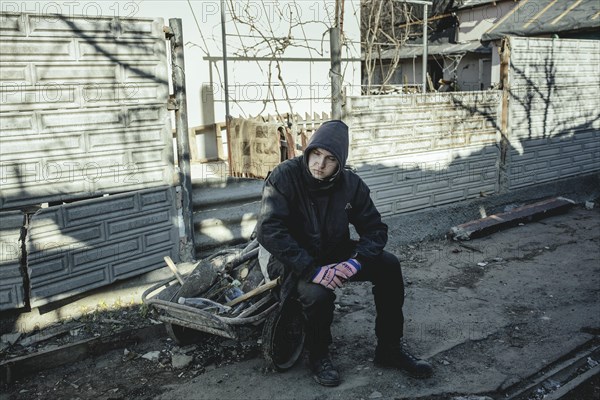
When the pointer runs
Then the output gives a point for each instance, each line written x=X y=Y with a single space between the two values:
x=12 y=293
x=179 y=361
x=496 y=222
x=152 y=355
x=10 y=338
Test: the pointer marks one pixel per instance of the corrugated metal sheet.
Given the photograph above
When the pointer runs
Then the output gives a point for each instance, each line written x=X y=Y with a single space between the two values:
x=437 y=49
x=544 y=17
x=553 y=113
x=87 y=244
x=83 y=107
x=461 y=4
x=11 y=277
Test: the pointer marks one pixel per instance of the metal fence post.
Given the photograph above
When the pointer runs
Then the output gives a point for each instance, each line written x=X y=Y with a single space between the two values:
x=336 y=73
x=425 y=43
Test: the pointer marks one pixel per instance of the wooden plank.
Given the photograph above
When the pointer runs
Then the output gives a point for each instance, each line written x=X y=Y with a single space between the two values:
x=493 y=223
x=218 y=128
x=193 y=144
x=206 y=127
x=291 y=148
x=15 y=368
x=48 y=334
x=573 y=384
x=304 y=139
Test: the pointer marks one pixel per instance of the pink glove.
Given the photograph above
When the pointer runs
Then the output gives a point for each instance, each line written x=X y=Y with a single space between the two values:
x=347 y=269
x=326 y=276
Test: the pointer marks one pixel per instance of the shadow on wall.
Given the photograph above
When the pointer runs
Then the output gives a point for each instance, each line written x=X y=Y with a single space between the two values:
x=86 y=243
x=89 y=199
x=550 y=133
x=543 y=102
x=418 y=222
x=552 y=123
x=89 y=139
x=116 y=28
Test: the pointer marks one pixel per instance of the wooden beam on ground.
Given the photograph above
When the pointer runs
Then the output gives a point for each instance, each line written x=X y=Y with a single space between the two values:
x=49 y=334
x=15 y=368
x=493 y=223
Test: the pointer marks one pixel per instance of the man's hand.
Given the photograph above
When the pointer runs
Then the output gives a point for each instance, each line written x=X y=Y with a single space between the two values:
x=327 y=276
x=347 y=269
x=333 y=276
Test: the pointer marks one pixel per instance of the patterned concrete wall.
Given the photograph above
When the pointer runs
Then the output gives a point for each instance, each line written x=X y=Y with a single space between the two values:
x=554 y=109
x=88 y=244
x=418 y=151
x=11 y=278
x=82 y=107
x=83 y=114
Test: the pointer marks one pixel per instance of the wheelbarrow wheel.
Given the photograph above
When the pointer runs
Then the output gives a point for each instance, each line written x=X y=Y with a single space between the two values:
x=283 y=337
x=182 y=335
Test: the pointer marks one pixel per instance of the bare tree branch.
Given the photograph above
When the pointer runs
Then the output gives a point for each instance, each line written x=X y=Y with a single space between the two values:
x=385 y=28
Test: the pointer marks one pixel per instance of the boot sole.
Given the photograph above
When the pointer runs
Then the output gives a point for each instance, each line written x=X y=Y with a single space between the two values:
x=404 y=371
x=326 y=383
x=319 y=381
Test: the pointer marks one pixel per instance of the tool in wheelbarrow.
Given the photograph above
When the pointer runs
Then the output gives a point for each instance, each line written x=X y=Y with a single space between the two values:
x=224 y=292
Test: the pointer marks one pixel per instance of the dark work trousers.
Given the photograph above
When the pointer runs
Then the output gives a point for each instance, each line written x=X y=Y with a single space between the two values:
x=388 y=290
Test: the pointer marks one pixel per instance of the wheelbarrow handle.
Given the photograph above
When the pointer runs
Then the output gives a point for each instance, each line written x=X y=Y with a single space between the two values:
x=254 y=292
x=173 y=268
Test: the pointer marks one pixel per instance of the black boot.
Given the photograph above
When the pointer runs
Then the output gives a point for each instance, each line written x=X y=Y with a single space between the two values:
x=397 y=357
x=323 y=371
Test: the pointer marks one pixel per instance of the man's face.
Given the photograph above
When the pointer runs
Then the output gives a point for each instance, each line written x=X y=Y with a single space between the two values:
x=321 y=163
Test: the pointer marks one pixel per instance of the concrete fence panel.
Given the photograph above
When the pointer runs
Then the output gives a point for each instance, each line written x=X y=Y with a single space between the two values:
x=83 y=121
x=87 y=244
x=82 y=107
x=554 y=117
x=424 y=150
x=12 y=284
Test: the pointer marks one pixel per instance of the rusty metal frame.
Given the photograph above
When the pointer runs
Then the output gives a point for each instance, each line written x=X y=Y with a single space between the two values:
x=197 y=319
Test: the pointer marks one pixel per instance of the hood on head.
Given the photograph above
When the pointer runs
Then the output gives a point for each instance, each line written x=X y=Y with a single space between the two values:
x=333 y=137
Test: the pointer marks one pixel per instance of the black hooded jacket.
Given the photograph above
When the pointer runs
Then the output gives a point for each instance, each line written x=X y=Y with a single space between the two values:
x=304 y=222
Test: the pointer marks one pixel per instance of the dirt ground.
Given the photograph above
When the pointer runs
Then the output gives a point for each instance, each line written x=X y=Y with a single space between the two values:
x=488 y=313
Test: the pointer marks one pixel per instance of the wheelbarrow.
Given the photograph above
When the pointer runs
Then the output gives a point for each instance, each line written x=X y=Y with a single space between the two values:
x=213 y=312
